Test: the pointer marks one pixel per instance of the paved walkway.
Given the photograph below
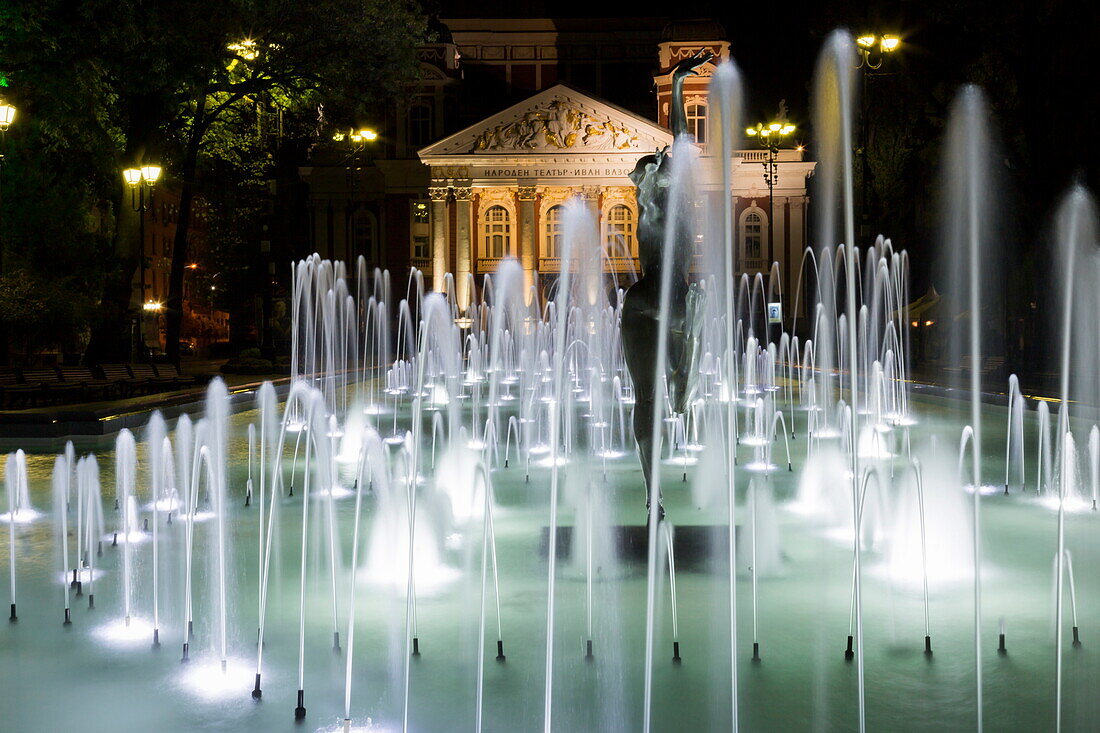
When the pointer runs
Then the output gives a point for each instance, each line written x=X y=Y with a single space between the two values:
x=103 y=417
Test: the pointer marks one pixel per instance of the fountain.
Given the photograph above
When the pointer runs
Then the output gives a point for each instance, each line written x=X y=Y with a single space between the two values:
x=441 y=473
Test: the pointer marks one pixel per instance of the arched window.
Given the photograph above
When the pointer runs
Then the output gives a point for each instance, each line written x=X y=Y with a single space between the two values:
x=551 y=243
x=364 y=232
x=619 y=239
x=754 y=227
x=697 y=121
x=420 y=229
x=419 y=130
x=498 y=232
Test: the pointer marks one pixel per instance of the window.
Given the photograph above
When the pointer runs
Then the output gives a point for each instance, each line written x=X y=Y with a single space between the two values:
x=620 y=231
x=498 y=232
x=420 y=124
x=420 y=229
x=697 y=121
x=752 y=239
x=363 y=236
x=551 y=246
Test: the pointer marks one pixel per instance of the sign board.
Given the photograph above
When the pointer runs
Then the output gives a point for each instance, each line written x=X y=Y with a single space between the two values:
x=775 y=313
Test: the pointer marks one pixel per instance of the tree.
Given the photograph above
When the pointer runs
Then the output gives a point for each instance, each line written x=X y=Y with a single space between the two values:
x=176 y=83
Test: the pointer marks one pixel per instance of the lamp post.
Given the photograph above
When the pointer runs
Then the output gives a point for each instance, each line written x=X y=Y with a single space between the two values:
x=141 y=180
x=357 y=141
x=7 y=116
x=872 y=50
x=771 y=136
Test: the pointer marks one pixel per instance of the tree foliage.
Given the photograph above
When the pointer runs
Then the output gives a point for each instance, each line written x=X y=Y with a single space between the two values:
x=214 y=90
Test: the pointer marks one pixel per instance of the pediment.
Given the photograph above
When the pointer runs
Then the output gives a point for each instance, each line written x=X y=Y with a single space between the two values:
x=557 y=121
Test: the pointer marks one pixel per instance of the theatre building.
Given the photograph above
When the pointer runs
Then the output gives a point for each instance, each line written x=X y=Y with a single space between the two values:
x=513 y=118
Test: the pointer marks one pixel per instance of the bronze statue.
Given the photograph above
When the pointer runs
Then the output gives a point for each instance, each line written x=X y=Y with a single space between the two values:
x=641 y=305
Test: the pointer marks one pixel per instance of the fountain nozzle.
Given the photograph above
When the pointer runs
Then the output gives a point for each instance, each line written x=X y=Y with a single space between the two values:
x=13 y=618
x=588 y=650
x=756 y=651
x=416 y=646
x=1076 y=638
x=68 y=618
x=257 y=693
x=848 y=653
x=676 y=652
x=300 y=711
x=928 y=645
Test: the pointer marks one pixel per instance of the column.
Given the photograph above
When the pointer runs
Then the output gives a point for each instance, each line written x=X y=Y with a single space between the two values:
x=779 y=253
x=438 y=195
x=591 y=195
x=464 y=248
x=526 y=196
x=797 y=246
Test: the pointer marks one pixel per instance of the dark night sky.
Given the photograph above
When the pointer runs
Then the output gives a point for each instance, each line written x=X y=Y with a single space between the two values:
x=776 y=46
x=1034 y=58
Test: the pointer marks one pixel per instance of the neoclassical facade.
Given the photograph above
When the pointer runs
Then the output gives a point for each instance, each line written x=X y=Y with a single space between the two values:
x=459 y=198
x=498 y=187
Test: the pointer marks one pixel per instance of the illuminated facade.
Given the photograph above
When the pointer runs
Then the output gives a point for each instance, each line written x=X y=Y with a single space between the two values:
x=451 y=189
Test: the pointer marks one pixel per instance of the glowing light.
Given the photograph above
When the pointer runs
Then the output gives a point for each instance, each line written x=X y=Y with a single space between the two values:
x=22 y=516
x=364 y=726
x=246 y=49
x=1073 y=504
x=610 y=455
x=7 y=116
x=866 y=40
x=135 y=537
x=121 y=633
x=153 y=306
x=150 y=173
x=132 y=176
x=84 y=575
x=890 y=43
x=207 y=679
x=167 y=504
x=987 y=490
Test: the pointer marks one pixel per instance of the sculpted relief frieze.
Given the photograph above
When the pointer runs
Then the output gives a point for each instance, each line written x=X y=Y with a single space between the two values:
x=557 y=125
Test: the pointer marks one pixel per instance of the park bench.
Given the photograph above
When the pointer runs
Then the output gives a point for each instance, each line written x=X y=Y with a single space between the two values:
x=83 y=376
x=51 y=383
x=119 y=375
x=169 y=371
x=146 y=372
x=14 y=390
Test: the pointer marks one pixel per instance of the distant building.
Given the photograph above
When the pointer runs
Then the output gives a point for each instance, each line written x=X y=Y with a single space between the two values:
x=202 y=323
x=513 y=117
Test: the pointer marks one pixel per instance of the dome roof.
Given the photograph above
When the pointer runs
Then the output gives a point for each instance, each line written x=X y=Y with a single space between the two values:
x=695 y=29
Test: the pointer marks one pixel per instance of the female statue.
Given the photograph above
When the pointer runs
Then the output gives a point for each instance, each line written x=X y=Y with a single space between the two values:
x=641 y=305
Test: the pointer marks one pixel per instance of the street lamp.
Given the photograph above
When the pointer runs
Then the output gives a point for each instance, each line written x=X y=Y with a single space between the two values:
x=771 y=137
x=7 y=116
x=868 y=43
x=357 y=140
x=873 y=50
x=140 y=180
